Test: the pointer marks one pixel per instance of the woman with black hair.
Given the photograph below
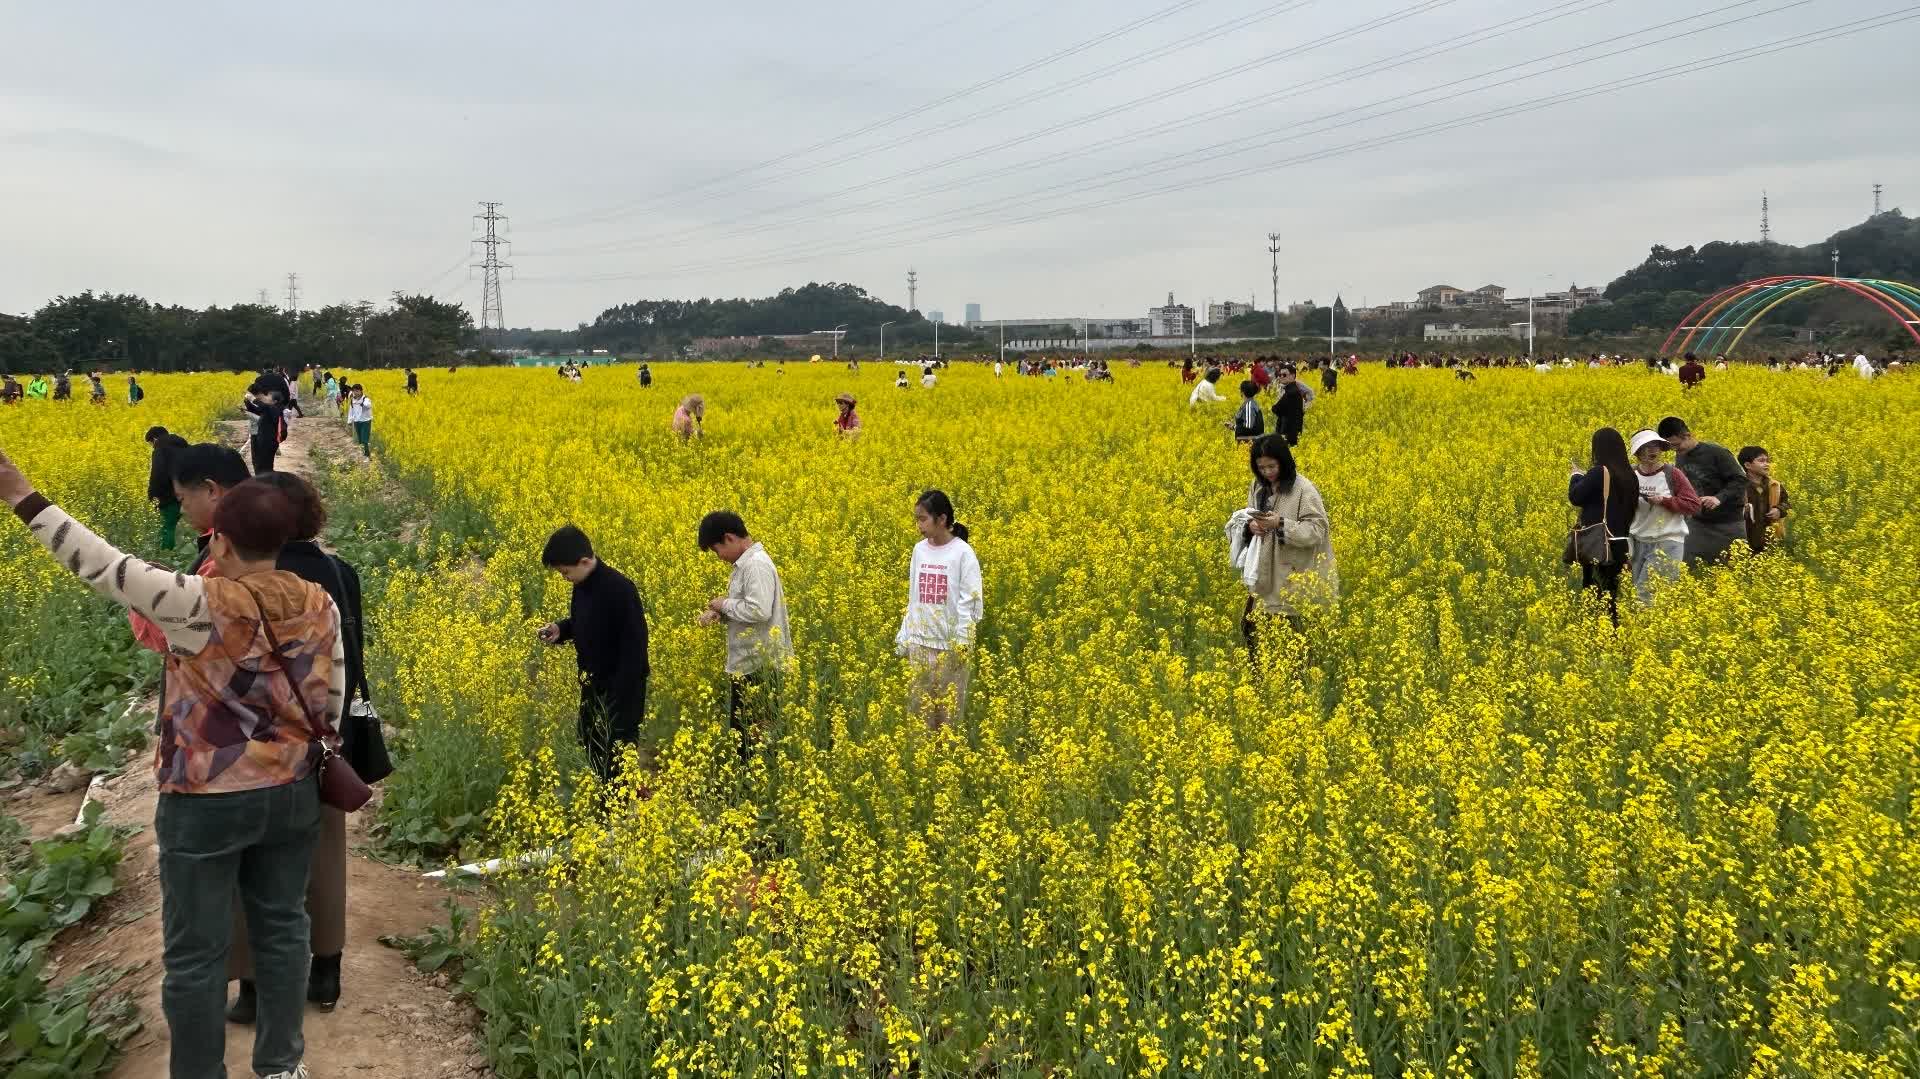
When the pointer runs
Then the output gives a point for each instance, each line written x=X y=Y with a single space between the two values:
x=1608 y=493
x=362 y=748
x=1293 y=559
x=945 y=602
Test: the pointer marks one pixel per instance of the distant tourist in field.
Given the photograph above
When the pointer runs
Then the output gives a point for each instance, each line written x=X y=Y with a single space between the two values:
x=1329 y=375
x=1283 y=542
x=999 y=368
x=413 y=382
x=267 y=429
x=1767 y=504
x=333 y=391
x=37 y=388
x=1250 y=422
x=167 y=448
x=847 y=423
x=1207 y=390
x=361 y=744
x=900 y=381
x=608 y=627
x=1186 y=371
x=135 y=394
x=754 y=610
x=1290 y=407
x=255 y=669
x=926 y=377
x=1608 y=495
x=1692 y=372
x=1658 y=534
x=689 y=419
x=10 y=392
x=96 y=389
x=360 y=415
x=645 y=376
x=945 y=602
x=1722 y=486
x=63 y=386
x=1260 y=375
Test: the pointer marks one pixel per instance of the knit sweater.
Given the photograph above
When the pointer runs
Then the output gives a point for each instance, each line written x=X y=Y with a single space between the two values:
x=229 y=717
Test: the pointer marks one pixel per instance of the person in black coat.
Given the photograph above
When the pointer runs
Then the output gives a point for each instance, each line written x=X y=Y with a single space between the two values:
x=608 y=627
x=1290 y=408
x=1608 y=490
x=267 y=404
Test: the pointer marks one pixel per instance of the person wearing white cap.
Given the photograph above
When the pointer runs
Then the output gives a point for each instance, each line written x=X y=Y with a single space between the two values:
x=1659 y=532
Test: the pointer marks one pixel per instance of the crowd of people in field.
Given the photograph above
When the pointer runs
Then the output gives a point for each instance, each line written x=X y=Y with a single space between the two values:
x=266 y=731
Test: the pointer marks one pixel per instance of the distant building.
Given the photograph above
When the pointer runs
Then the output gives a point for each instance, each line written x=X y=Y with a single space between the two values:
x=1222 y=312
x=1489 y=294
x=1439 y=296
x=973 y=313
x=1457 y=333
x=936 y=316
x=1305 y=307
x=1173 y=320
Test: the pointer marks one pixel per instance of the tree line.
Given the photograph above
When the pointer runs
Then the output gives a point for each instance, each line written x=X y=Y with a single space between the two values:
x=127 y=332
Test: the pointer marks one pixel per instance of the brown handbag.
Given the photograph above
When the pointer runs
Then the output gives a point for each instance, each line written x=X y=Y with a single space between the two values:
x=340 y=786
x=1592 y=545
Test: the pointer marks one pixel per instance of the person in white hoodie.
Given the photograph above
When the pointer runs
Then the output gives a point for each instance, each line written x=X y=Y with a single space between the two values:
x=944 y=604
x=1658 y=535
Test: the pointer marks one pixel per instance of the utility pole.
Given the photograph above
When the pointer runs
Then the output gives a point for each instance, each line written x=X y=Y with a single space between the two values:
x=1273 y=248
x=491 y=315
x=913 y=290
x=263 y=297
x=1766 y=225
x=1836 y=260
x=293 y=293
x=1876 y=200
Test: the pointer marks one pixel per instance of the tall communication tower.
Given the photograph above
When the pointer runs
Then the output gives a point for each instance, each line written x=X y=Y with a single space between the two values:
x=293 y=293
x=1766 y=223
x=1876 y=200
x=1273 y=248
x=491 y=315
x=913 y=290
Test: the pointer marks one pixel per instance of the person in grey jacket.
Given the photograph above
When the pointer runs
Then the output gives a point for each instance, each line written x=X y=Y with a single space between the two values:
x=1722 y=486
x=1297 y=558
x=755 y=613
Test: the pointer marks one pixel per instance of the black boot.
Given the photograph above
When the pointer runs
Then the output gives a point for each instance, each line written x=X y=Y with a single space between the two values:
x=323 y=981
x=245 y=1006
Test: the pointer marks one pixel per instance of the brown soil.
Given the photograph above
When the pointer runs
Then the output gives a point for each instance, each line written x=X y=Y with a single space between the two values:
x=392 y=1021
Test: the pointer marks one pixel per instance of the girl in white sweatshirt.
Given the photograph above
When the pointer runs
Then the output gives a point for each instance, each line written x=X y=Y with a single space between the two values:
x=944 y=605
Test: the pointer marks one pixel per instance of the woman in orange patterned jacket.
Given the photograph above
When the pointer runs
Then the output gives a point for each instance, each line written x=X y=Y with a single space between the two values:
x=241 y=732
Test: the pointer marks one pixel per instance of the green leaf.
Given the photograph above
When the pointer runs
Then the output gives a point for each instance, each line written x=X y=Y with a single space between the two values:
x=25 y=1034
x=62 y=1030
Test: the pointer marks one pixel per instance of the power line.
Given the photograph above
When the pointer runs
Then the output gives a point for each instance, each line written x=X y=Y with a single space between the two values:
x=491 y=313
x=588 y=217
x=1346 y=117
x=1155 y=97
x=1656 y=75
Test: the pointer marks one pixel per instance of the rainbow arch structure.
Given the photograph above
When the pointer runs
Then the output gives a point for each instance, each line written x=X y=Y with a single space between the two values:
x=1725 y=317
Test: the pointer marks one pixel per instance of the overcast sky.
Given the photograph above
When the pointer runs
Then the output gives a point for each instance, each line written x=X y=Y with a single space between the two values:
x=197 y=153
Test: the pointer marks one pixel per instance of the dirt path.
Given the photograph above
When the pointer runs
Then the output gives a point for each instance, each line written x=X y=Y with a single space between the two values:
x=392 y=1022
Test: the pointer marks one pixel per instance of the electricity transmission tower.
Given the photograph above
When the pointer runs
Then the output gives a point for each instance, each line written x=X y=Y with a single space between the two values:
x=1273 y=248
x=1766 y=224
x=1876 y=200
x=491 y=317
x=293 y=293
x=913 y=290
x=263 y=297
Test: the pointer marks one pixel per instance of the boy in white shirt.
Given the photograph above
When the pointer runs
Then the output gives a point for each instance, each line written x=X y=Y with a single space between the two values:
x=944 y=606
x=755 y=612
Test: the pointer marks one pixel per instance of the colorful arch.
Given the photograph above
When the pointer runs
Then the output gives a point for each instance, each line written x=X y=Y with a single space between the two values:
x=1725 y=317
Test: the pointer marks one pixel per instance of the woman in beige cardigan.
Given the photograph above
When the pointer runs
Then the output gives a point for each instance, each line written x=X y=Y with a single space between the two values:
x=1294 y=555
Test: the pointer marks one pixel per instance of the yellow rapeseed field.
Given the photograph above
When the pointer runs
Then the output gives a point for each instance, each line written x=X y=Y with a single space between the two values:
x=1463 y=827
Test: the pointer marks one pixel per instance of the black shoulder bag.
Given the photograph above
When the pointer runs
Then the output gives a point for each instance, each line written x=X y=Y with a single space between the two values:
x=363 y=741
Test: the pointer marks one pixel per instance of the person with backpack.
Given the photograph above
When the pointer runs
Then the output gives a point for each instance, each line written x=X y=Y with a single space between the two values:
x=1607 y=495
x=1250 y=422
x=135 y=394
x=1658 y=535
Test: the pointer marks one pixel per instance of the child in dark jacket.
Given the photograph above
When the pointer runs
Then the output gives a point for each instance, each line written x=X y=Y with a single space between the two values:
x=1250 y=422
x=1767 y=505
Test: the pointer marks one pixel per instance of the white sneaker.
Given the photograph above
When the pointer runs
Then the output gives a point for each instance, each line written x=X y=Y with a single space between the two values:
x=299 y=1072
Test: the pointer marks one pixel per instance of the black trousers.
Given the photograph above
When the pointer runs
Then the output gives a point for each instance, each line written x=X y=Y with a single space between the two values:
x=1605 y=578
x=604 y=729
x=263 y=455
x=750 y=710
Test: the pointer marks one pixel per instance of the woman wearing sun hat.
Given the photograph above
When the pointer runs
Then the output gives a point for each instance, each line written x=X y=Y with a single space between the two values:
x=848 y=421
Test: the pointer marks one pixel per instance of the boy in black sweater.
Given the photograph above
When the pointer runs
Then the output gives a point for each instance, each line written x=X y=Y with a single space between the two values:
x=608 y=628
